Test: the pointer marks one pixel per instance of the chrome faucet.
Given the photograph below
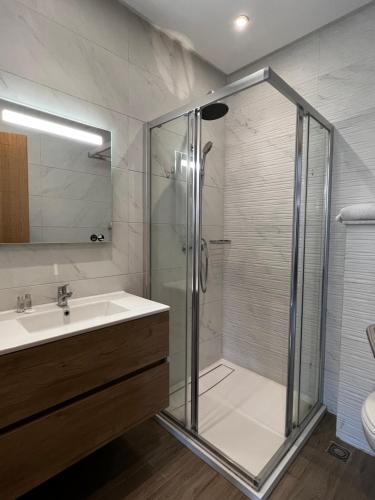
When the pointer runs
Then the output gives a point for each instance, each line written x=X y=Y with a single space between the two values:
x=63 y=293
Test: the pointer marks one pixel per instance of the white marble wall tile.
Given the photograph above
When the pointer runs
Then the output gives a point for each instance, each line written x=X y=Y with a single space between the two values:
x=35 y=264
x=134 y=283
x=23 y=265
x=183 y=73
x=50 y=54
x=135 y=189
x=135 y=138
x=202 y=76
x=42 y=294
x=70 y=59
x=84 y=261
x=153 y=50
x=120 y=247
x=120 y=135
x=120 y=183
x=154 y=95
x=135 y=243
x=86 y=19
x=150 y=97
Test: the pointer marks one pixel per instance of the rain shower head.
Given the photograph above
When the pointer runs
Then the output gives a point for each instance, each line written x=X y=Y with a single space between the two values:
x=214 y=111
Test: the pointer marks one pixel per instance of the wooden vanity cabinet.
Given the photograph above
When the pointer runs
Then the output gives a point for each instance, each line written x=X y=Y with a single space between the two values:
x=62 y=400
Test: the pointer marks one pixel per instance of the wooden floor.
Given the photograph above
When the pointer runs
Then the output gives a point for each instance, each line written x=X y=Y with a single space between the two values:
x=148 y=463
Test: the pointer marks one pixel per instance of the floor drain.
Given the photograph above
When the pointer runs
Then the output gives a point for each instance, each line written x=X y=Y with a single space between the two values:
x=338 y=451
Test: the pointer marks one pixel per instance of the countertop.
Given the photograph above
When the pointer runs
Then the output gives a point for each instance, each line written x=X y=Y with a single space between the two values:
x=14 y=336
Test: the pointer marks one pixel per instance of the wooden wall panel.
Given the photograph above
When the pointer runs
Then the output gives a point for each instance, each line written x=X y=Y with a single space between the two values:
x=14 y=190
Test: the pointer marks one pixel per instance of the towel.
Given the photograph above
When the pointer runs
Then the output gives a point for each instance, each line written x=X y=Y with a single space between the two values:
x=359 y=212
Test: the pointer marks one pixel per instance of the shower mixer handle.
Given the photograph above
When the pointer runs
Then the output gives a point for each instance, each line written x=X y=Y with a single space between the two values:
x=203 y=275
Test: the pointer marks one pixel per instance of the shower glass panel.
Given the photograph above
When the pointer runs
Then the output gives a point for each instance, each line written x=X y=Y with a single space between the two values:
x=244 y=315
x=170 y=240
x=312 y=248
x=238 y=209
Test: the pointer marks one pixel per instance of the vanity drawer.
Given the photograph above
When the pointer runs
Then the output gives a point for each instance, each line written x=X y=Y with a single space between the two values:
x=35 y=379
x=35 y=451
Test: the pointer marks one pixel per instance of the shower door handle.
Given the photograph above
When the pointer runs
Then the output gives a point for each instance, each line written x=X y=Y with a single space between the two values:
x=203 y=274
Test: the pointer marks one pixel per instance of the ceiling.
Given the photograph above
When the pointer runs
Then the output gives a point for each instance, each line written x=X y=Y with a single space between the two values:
x=207 y=26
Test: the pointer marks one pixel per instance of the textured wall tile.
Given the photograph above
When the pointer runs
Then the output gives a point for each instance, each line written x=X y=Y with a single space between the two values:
x=334 y=70
x=357 y=363
x=258 y=209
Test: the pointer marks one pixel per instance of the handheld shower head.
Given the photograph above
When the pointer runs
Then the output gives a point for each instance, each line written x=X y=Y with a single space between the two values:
x=207 y=148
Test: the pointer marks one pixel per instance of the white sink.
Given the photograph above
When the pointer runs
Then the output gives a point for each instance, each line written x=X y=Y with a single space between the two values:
x=48 y=322
x=58 y=318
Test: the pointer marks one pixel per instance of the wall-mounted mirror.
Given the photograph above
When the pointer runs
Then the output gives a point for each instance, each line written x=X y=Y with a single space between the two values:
x=55 y=179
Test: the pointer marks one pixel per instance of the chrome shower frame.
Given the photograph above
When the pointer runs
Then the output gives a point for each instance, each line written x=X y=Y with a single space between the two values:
x=260 y=486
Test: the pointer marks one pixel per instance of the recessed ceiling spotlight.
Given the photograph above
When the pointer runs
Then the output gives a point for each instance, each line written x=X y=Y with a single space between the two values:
x=241 y=21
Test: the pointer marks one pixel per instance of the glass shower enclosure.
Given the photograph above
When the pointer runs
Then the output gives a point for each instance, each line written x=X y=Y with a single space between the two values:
x=237 y=236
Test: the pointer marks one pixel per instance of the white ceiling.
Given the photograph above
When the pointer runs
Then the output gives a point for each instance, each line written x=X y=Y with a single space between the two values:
x=207 y=25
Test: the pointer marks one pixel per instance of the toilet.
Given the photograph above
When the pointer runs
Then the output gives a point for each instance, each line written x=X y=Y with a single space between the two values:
x=368 y=419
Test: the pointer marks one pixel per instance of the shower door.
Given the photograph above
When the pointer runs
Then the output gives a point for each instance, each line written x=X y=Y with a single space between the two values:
x=171 y=182
x=178 y=228
x=311 y=269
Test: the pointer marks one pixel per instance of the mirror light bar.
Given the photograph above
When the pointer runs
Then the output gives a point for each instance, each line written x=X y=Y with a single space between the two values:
x=50 y=127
